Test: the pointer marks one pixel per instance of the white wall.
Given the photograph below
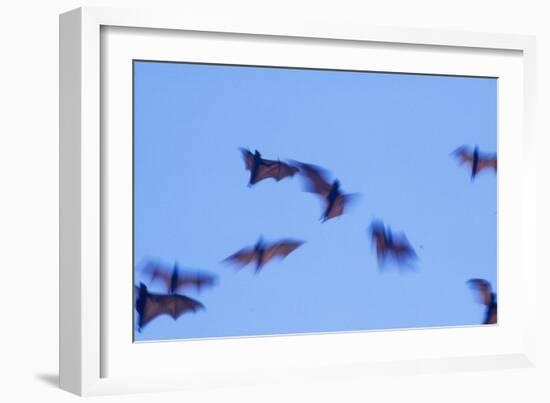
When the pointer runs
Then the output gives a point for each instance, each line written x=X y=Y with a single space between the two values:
x=29 y=186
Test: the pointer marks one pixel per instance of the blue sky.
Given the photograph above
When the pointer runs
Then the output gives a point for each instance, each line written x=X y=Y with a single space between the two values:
x=385 y=136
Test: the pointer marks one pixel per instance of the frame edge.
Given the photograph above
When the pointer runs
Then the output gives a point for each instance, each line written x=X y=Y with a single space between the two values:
x=70 y=119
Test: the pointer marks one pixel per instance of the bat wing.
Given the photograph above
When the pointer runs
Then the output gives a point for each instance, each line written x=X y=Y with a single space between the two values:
x=339 y=206
x=483 y=287
x=177 y=305
x=243 y=257
x=172 y=305
x=487 y=163
x=316 y=179
x=197 y=281
x=159 y=272
x=274 y=169
x=403 y=250
x=151 y=308
x=248 y=158
x=464 y=154
x=285 y=170
x=280 y=250
x=378 y=236
x=380 y=244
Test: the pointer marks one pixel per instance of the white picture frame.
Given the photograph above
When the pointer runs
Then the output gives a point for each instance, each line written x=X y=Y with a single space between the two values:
x=96 y=356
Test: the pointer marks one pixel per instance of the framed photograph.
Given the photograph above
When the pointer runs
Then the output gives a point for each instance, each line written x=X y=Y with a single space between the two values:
x=249 y=201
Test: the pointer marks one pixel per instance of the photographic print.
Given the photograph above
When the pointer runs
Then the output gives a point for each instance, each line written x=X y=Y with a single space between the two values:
x=276 y=200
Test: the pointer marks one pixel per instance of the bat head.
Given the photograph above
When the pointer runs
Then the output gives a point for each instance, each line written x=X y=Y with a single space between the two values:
x=377 y=225
x=140 y=302
x=259 y=243
x=142 y=288
x=174 y=278
x=377 y=228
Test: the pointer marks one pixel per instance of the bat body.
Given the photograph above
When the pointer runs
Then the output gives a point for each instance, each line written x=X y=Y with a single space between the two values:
x=262 y=169
x=477 y=161
x=487 y=298
x=262 y=253
x=389 y=245
x=177 y=280
x=335 y=201
x=149 y=306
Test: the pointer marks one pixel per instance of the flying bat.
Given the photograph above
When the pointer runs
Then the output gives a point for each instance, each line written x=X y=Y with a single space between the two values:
x=334 y=200
x=263 y=252
x=149 y=306
x=477 y=161
x=487 y=298
x=176 y=280
x=391 y=245
x=262 y=169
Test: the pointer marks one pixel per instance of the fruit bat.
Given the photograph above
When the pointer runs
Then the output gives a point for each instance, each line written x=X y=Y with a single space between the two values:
x=263 y=252
x=262 y=169
x=475 y=159
x=316 y=182
x=149 y=306
x=487 y=298
x=177 y=280
x=390 y=245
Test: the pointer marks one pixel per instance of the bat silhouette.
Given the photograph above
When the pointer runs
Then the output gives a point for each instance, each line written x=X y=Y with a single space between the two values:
x=263 y=252
x=477 y=161
x=149 y=306
x=389 y=245
x=262 y=169
x=316 y=182
x=176 y=280
x=487 y=298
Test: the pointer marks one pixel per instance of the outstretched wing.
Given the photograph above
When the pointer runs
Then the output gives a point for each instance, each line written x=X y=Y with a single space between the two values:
x=158 y=271
x=248 y=158
x=267 y=168
x=316 y=178
x=243 y=257
x=280 y=250
x=402 y=249
x=483 y=287
x=464 y=154
x=174 y=305
x=285 y=170
x=196 y=280
x=487 y=162
x=274 y=169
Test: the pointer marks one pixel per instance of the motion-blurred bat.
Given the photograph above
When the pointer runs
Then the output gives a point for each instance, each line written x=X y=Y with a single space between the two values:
x=176 y=280
x=476 y=160
x=316 y=182
x=262 y=253
x=390 y=245
x=487 y=298
x=149 y=306
x=262 y=169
